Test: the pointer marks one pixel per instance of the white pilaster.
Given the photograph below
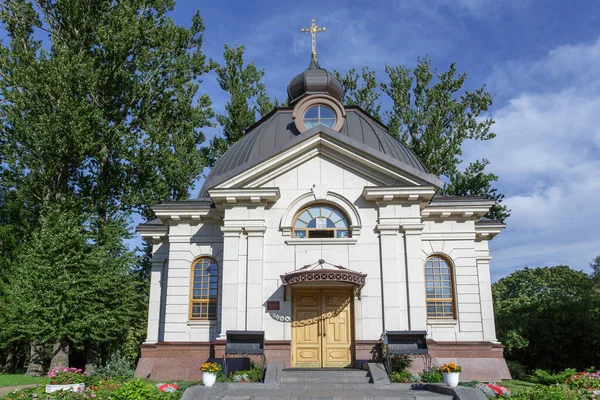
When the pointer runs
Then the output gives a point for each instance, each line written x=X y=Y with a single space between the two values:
x=415 y=276
x=485 y=294
x=255 y=277
x=155 y=297
x=231 y=269
x=393 y=272
x=390 y=276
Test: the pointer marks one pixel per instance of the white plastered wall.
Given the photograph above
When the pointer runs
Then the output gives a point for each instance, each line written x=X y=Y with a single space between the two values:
x=362 y=256
x=251 y=249
x=456 y=240
x=188 y=241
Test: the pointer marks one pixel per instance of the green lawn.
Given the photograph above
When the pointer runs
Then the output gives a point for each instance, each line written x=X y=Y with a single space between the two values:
x=20 y=379
x=517 y=387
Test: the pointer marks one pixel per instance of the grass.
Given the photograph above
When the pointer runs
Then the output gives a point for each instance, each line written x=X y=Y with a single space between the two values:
x=20 y=379
x=517 y=387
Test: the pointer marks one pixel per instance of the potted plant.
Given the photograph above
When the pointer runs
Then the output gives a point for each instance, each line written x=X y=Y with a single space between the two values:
x=65 y=378
x=209 y=373
x=450 y=372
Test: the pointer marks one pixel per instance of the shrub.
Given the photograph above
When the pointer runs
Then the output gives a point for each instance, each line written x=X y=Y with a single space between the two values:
x=135 y=390
x=254 y=374
x=585 y=380
x=546 y=378
x=432 y=375
x=517 y=370
x=401 y=362
x=118 y=367
x=404 y=377
x=555 y=392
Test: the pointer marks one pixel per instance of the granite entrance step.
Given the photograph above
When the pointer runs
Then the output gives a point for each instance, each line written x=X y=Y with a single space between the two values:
x=257 y=391
x=327 y=384
x=330 y=377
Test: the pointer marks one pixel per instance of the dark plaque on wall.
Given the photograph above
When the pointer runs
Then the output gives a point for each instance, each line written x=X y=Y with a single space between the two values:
x=272 y=306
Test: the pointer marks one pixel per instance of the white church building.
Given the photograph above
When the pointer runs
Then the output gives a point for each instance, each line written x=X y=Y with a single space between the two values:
x=324 y=231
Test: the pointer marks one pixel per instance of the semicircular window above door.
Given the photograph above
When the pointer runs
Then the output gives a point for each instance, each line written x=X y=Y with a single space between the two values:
x=320 y=221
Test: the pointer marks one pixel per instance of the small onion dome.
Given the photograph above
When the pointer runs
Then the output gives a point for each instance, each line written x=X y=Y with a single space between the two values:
x=314 y=80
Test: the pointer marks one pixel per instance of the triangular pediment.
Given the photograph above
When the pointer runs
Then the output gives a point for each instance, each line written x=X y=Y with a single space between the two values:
x=324 y=142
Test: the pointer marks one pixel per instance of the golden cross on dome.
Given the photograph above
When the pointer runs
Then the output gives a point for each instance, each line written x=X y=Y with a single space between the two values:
x=313 y=29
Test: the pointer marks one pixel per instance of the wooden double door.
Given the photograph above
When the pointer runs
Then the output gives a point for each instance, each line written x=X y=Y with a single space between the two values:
x=322 y=328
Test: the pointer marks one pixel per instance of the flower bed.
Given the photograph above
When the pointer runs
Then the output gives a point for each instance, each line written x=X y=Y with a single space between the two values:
x=492 y=390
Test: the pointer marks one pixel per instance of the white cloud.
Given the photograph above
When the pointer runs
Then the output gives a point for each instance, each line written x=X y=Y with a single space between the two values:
x=547 y=154
x=566 y=66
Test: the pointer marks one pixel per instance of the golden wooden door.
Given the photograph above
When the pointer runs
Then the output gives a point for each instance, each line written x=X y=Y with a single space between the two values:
x=337 y=331
x=306 y=335
x=322 y=328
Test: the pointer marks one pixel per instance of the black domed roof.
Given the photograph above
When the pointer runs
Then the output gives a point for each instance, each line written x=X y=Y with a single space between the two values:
x=276 y=131
x=314 y=80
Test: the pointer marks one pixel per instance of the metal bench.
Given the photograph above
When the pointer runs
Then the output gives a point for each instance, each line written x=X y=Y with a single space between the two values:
x=245 y=343
x=405 y=342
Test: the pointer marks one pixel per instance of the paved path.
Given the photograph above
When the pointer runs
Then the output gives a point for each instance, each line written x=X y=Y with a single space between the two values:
x=6 y=389
x=222 y=392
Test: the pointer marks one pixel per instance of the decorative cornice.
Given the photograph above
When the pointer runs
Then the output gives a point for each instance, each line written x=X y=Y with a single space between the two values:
x=412 y=229
x=326 y=241
x=244 y=196
x=153 y=234
x=255 y=230
x=183 y=211
x=231 y=231
x=487 y=232
x=436 y=236
x=422 y=194
x=388 y=229
x=472 y=209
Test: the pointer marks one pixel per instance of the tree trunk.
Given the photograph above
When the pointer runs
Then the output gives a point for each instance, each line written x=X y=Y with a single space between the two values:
x=60 y=354
x=36 y=360
x=11 y=360
x=92 y=357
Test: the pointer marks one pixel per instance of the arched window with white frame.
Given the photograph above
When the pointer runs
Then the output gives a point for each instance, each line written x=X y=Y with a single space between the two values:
x=204 y=289
x=439 y=288
x=320 y=221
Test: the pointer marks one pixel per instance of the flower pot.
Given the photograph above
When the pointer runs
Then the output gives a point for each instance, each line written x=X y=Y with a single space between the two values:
x=451 y=378
x=209 y=378
x=75 y=387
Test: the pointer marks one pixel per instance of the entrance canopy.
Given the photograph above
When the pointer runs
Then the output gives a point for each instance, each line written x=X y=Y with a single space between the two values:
x=324 y=272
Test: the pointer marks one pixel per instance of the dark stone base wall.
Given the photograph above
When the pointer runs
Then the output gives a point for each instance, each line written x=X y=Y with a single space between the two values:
x=165 y=361
x=481 y=361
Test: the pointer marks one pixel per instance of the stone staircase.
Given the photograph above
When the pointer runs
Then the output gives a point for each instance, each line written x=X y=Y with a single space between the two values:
x=325 y=384
x=342 y=378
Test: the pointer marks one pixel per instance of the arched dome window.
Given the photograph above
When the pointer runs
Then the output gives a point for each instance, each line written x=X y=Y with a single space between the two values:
x=319 y=221
x=319 y=114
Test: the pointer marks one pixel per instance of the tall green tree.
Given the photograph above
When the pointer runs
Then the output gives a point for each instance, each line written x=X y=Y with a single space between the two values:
x=595 y=265
x=361 y=90
x=79 y=291
x=102 y=123
x=433 y=115
x=548 y=318
x=247 y=100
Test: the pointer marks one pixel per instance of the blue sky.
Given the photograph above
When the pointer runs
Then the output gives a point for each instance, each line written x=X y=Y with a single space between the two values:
x=539 y=59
